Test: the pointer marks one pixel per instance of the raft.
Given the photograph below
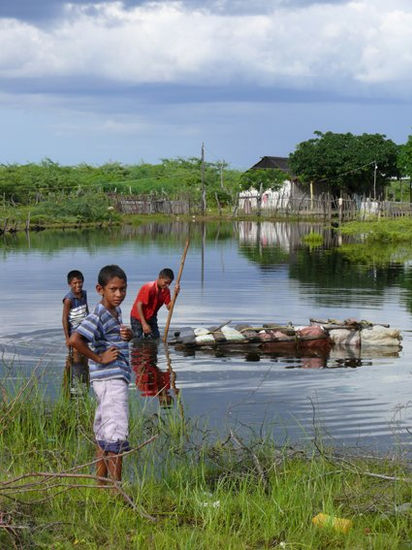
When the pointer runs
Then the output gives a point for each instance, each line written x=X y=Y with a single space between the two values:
x=322 y=335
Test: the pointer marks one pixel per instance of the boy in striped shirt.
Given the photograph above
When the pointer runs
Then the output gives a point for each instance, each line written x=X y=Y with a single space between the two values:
x=75 y=309
x=109 y=369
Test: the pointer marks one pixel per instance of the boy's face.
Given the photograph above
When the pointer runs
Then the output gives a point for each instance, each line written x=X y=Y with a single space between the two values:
x=113 y=293
x=76 y=284
x=164 y=282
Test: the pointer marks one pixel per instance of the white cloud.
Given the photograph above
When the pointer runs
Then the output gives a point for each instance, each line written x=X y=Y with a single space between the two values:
x=332 y=46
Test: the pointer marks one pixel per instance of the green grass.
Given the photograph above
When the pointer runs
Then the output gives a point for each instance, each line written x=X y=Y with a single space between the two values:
x=313 y=239
x=204 y=491
x=382 y=231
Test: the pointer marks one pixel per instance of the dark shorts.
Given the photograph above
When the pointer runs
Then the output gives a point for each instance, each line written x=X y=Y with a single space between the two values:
x=138 y=329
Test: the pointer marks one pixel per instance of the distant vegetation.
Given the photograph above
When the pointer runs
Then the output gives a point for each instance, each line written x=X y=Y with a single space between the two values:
x=347 y=163
x=48 y=192
x=53 y=193
x=31 y=183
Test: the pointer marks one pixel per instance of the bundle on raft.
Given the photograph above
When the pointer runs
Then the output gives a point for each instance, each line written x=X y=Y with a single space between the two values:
x=320 y=333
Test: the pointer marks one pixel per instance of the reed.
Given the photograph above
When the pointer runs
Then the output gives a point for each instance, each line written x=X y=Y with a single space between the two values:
x=203 y=491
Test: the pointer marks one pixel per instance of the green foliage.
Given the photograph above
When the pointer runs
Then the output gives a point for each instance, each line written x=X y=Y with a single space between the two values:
x=203 y=495
x=346 y=162
x=405 y=158
x=313 y=239
x=173 y=178
x=263 y=178
x=399 y=190
x=84 y=207
x=382 y=231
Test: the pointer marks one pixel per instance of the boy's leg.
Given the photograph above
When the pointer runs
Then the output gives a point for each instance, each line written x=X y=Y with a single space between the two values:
x=111 y=422
x=80 y=369
x=101 y=464
x=136 y=327
x=154 y=326
x=114 y=465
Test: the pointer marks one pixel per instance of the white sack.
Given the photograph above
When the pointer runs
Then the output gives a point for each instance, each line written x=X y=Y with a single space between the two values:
x=380 y=336
x=345 y=337
x=205 y=339
x=231 y=334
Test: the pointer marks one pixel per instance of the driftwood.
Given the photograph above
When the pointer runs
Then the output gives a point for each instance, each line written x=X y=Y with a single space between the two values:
x=332 y=324
x=288 y=329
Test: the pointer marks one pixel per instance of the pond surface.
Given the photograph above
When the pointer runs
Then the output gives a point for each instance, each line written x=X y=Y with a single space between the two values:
x=242 y=272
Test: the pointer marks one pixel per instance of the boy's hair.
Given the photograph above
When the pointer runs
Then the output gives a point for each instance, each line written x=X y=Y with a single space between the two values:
x=109 y=272
x=166 y=273
x=74 y=274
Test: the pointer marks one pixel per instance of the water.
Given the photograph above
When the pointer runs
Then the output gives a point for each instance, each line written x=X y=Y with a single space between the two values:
x=241 y=272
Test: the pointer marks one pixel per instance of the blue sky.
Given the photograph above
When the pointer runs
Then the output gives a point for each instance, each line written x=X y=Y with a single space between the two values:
x=139 y=81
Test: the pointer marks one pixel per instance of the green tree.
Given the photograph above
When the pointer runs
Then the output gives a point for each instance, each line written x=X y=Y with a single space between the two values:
x=405 y=158
x=346 y=162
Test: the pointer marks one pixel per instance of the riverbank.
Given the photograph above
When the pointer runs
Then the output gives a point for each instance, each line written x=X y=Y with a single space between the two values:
x=185 y=488
x=18 y=219
x=381 y=231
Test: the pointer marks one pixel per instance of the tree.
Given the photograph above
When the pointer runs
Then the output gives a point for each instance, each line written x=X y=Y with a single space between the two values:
x=405 y=158
x=346 y=162
x=262 y=179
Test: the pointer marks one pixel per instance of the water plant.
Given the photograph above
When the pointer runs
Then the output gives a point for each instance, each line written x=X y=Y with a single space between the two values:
x=313 y=239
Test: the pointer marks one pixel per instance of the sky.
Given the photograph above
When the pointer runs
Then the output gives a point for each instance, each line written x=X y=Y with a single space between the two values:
x=138 y=81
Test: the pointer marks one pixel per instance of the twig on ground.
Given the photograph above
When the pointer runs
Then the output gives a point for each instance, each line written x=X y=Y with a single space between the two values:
x=254 y=457
x=44 y=485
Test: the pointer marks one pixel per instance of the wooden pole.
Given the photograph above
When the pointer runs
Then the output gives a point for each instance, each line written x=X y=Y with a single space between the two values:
x=172 y=304
x=173 y=381
x=202 y=175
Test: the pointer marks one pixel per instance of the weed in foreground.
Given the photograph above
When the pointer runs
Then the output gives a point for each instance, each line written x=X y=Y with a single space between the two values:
x=202 y=491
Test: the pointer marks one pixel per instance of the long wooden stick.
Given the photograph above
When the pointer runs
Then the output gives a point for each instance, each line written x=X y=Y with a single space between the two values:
x=173 y=381
x=172 y=304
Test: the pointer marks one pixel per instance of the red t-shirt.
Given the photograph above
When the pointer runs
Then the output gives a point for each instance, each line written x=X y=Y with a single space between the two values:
x=152 y=298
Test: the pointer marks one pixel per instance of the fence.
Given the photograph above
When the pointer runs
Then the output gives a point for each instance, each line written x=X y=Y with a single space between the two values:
x=304 y=206
x=325 y=206
x=148 y=205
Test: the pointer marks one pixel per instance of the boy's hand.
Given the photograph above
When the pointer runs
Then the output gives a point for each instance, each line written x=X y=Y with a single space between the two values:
x=109 y=355
x=147 y=329
x=177 y=288
x=126 y=333
x=68 y=342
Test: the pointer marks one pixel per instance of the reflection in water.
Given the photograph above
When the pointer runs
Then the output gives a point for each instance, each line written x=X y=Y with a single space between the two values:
x=318 y=357
x=286 y=236
x=150 y=379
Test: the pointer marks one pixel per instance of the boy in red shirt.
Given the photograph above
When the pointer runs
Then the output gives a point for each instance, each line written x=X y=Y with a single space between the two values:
x=150 y=298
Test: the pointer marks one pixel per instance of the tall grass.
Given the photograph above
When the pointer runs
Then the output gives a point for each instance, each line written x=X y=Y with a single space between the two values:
x=203 y=491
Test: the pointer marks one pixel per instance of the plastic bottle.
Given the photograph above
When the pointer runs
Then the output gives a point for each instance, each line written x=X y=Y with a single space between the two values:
x=339 y=524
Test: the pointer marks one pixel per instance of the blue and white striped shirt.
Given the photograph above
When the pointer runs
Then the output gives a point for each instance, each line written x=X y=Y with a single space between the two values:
x=78 y=309
x=102 y=330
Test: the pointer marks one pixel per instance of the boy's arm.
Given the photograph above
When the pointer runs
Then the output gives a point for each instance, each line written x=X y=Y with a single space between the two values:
x=80 y=344
x=65 y=319
x=176 y=292
x=145 y=325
